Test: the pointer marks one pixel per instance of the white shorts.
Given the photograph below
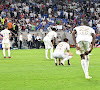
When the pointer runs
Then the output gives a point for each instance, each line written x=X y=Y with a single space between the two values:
x=6 y=45
x=47 y=43
x=84 y=46
x=60 y=55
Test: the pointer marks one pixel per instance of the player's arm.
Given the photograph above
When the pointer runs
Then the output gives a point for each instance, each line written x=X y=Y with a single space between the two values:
x=93 y=42
x=73 y=35
x=70 y=54
x=68 y=51
x=10 y=35
x=54 y=40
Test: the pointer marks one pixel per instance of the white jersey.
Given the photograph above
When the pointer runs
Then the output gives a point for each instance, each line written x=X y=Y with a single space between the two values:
x=21 y=37
x=51 y=35
x=84 y=33
x=5 y=34
x=62 y=46
x=29 y=37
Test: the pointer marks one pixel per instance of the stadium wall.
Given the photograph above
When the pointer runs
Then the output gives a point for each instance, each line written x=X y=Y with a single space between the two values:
x=61 y=34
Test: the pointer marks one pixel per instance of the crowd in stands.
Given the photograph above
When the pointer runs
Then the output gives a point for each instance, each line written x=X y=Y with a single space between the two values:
x=39 y=16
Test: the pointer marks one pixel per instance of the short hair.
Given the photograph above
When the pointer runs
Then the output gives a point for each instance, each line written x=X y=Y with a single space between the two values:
x=54 y=29
x=65 y=39
x=6 y=26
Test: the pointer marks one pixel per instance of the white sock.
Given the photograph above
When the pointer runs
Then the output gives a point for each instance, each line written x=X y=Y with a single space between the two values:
x=9 y=52
x=87 y=60
x=51 y=52
x=69 y=57
x=84 y=66
x=65 y=59
x=46 y=53
x=4 y=52
x=87 y=63
x=55 y=60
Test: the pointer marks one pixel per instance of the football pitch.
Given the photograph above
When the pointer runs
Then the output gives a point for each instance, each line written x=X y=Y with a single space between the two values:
x=29 y=70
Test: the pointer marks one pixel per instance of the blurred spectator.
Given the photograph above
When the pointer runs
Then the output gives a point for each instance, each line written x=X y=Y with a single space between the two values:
x=98 y=26
x=29 y=40
x=10 y=26
x=16 y=40
x=2 y=20
x=38 y=41
x=1 y=27
x=34 y=42
x=20 y=40
x=32 y=15
x=33 y=28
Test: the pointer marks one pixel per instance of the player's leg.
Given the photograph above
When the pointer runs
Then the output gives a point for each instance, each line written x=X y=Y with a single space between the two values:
x=56 y=61
x=87 y=47
x=50 y=46
x=8 y=45
x=3 y=46
x=83 y=63
x=4 y=53
x=82 y=55
x=46 y=49
x=56 y=55
x=87 y=63
x=85 y=66
x=69 y=62
x=51 y=52
x=46 y=53
x=9 y=52
x=59 y=61
x=68 y=59
x=87 y=60
x=65 y=59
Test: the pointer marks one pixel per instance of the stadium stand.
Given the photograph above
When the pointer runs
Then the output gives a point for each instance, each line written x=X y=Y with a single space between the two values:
x=27 y=14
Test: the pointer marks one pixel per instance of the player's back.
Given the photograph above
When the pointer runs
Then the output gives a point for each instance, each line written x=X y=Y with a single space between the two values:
x=51 y=35
x=5 y=34
x=84 y=33
x=62 y=46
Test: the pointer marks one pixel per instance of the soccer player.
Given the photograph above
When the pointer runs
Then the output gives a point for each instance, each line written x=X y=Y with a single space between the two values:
x=6 y=42
x=60 y=52
x=85 y=36
x=52 y=35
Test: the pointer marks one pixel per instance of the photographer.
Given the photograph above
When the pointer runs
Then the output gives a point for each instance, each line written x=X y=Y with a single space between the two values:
x=38 y=41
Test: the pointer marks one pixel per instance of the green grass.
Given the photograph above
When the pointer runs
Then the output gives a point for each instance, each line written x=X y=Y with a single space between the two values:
x=29 y=70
